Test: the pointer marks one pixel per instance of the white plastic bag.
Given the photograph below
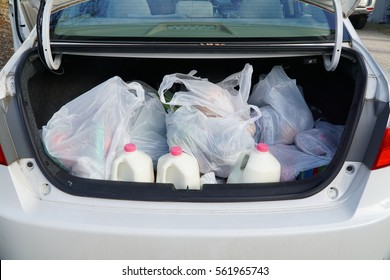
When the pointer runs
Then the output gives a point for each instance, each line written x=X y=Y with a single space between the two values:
x=293 y=161
x=147 y=128
x=284 y=110
x=314 y=148
x=321 y=140
x=216 y=143
x=85 y=134
x=214 y=100
x=208 y=178
x=213 y=122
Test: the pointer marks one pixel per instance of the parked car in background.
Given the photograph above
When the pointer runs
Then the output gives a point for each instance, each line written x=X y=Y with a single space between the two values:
x=57 y=203
x=361 y=13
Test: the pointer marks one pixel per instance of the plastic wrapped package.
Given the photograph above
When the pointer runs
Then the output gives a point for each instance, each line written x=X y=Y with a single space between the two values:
x=285 y=112
x=214 y=121
x=85 y=135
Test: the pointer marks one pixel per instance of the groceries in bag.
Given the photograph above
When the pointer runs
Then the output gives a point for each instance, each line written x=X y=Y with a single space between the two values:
x=313 y=151
x=86 y=134
x=294 y=161
x=322 y=140
x=256 y=166
x=147 y=128
x=132 y=165
x=213 y=121
x=180 y=169
x=284 y=110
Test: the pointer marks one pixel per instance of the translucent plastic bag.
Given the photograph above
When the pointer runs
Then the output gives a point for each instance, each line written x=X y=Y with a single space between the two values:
x=214 y=100
x=208 y=178
x=285 y=112
x=273 y=127
x=147 y=128
x=85 y=135
x=213 y=122
x=321 y=140
x=215 y=142
x=293 y=161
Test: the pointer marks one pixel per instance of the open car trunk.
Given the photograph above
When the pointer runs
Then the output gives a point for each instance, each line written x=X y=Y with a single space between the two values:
x=336 y=97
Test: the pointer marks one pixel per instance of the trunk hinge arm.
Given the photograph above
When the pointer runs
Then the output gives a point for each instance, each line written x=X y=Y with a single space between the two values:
x=43 y=34
x=331 y=63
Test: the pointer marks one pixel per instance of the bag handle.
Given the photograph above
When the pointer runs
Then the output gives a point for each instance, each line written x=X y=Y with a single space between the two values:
x=170 y=80
x=253 y=118
x=137 y=87
x=258 y=114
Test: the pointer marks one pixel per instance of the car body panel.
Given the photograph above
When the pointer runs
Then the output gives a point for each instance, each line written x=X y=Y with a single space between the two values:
x=75 y=228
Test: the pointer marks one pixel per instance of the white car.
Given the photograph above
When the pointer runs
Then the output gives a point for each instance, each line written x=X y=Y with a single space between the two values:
x=361 y=13
x=47 y=211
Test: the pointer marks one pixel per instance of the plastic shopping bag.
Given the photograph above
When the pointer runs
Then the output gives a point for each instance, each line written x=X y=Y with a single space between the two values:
x=214 y=100
x=216 y=143
x=213 y=121
x=314 y=148
x=293 y=161
x=284 y=110
x=85 y=135
x=147 y=128
x=322 y=140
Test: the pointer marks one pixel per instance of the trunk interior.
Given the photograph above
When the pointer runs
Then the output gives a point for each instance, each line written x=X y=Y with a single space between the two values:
x=337 y=95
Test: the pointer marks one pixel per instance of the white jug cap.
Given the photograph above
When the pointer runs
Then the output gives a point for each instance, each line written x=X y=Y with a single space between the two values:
x=130 y=148
x=262 y=147
x=176 y=151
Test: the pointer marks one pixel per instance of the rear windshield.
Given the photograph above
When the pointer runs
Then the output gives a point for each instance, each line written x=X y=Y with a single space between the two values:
x=175 y=19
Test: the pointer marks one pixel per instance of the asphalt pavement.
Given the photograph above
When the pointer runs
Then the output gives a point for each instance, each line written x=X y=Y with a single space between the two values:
x=377 y=40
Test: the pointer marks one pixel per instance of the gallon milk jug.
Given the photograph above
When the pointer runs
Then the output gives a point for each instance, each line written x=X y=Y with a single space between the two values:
x=257 y=166
x=178 y=168
x=132 y=165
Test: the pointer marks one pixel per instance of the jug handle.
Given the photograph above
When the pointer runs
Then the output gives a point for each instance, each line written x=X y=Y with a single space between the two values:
x=164 y=169
x=115 y=164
